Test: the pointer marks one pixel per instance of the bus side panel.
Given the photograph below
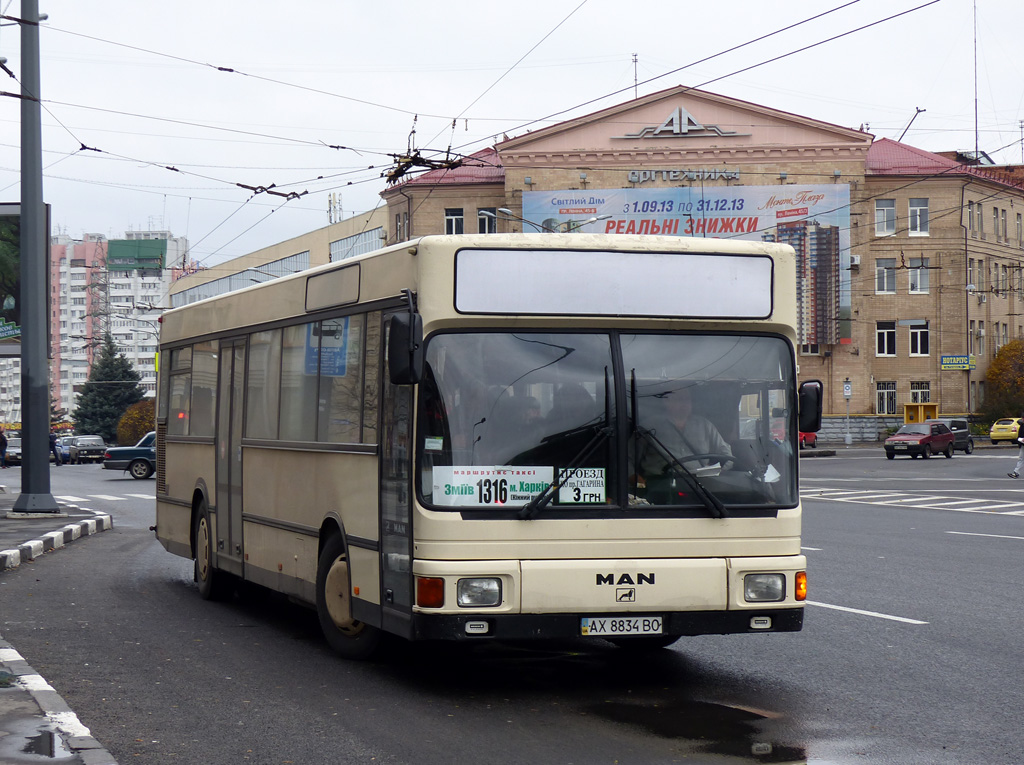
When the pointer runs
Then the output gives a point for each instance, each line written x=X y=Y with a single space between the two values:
x=285 y=564
x=340 y=483
x=188 y=466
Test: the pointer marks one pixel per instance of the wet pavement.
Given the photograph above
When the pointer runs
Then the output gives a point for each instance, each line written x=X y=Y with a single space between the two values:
x=36 y=725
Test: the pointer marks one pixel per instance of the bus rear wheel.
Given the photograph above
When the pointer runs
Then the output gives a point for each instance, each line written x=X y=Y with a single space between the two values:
x=213 y=584
x=347 y=636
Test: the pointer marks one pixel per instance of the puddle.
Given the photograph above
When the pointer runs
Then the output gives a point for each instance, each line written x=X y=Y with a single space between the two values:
x=707 y=729
x=47 y=743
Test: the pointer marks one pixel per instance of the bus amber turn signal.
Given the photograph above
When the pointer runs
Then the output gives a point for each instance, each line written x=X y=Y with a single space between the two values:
x=429 y=592
x=801 y=585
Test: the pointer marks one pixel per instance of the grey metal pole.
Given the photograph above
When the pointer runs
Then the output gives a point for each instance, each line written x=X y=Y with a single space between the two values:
x=34 y=303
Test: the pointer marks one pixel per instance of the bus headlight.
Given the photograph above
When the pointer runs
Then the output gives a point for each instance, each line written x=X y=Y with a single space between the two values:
x=764 y=588
x=473 y=593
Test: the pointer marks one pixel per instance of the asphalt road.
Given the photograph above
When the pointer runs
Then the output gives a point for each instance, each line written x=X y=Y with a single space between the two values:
x=910 y=651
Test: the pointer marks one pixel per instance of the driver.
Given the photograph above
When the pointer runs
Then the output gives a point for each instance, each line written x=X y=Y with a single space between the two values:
x=684 y=434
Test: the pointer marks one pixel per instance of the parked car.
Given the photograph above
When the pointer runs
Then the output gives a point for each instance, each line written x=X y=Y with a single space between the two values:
x=87 y=449
x=139 y=460
x=920 y=439
x=810 y=440
x=65 y=448
x=13 y=451
x=962 y=438
x=1004 y=430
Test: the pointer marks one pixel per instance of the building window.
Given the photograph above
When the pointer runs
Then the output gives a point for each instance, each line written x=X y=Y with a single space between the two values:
x=918 y=275
x=919 y=341
x=970 y=338
x=885 y=217
x=1020 y=230
x=980 y=336
x=918 y=217
x=971 y=273
x=970 y=218
x=885 y=338
x=1005 y=281
x=995 y=222
x=453 y=221
x=885 y=275
x=810 y=349
x=885 y=397
x=1002 y=222
x=487 y=220
x=920 y=392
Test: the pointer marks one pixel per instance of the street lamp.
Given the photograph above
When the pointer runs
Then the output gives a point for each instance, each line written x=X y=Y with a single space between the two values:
x=574 y=225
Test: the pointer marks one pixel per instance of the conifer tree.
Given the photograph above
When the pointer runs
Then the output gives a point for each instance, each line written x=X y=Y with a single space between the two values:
x=113 y=386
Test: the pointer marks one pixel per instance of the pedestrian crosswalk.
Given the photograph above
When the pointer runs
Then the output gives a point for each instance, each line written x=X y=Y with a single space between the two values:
x=920 y=500
x=106 y=497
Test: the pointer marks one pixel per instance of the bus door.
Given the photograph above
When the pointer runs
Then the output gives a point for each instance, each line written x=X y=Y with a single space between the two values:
x=396 y=452
x=231 y=387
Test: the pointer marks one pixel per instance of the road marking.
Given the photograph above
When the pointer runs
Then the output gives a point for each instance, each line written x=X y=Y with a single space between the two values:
x=973 y=534
x=108 y=497
x=866 y=613
x=143 y=496
x=916 y=501
x=72 y=499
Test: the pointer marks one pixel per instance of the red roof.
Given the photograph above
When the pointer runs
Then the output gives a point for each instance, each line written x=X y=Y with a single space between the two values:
x=888 y=157
x=482 y=167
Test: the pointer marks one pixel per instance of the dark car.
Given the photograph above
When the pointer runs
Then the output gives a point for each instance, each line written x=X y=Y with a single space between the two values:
x=13 y=451
x=962 y=439
x=86 y=449
x=920 y=439
x=139 y=460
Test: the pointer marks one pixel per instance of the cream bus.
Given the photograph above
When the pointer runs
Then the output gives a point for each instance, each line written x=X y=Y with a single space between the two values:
x=498 y=436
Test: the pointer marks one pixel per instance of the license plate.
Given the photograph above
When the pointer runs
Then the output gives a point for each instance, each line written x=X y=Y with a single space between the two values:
x=900 y=446
x=620 y=625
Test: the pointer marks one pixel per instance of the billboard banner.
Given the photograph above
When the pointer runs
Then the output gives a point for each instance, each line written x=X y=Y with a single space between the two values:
x=10 y=279
x=813 y=219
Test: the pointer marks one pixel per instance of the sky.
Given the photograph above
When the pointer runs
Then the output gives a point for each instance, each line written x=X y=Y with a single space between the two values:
x=168 y=116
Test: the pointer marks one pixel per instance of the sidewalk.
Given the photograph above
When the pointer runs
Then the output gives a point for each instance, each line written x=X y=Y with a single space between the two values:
x=35 y=722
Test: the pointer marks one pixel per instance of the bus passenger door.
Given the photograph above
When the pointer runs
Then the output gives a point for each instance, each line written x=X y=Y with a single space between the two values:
x=396 y=450
x=231 y=387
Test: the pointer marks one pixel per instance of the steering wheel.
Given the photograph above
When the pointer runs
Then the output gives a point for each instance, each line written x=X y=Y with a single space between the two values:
x=713 y=457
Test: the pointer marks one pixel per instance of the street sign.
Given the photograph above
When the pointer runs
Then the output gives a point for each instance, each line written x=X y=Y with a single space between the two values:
x=957 y=362
x=847 y=389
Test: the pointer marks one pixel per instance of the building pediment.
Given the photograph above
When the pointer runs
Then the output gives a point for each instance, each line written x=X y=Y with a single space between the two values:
x=687 y=121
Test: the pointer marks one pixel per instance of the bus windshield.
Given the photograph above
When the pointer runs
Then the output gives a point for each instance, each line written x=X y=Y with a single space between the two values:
x=619 y=422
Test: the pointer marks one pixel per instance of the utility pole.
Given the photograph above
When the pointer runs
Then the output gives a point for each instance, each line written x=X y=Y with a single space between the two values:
x=34 y=303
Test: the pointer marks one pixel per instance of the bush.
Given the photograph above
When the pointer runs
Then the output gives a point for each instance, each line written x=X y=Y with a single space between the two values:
x=136 y=422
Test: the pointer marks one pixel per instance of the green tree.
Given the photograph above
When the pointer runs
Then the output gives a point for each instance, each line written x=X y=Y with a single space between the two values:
x=113 y=386
x=1004 y=383
x=136 y=422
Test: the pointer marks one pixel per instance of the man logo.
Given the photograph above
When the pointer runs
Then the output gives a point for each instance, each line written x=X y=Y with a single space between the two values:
x=625 y=579
x=625 y=595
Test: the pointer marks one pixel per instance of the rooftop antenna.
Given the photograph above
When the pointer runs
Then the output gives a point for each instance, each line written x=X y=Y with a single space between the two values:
x=976 y=154
x=634 y=75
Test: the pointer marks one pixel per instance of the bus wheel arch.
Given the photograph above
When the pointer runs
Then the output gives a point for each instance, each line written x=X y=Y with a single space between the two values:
x=349 y=637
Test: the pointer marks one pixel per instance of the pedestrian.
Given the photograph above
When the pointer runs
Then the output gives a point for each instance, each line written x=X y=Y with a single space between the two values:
x=3 y=448
x=54 y=447
x=1020 y=450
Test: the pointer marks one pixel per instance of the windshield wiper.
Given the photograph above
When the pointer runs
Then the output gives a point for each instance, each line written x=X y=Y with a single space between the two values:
x=710 y=501
x=542 y=500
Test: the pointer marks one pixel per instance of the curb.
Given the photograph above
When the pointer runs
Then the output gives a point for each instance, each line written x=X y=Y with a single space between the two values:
x=61 y=723
x=34 y=548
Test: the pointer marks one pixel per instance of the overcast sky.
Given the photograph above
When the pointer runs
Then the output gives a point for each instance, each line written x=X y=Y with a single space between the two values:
x=137 y=84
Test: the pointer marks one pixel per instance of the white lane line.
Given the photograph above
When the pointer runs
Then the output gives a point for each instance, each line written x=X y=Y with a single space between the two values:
x=69 y=498
x=815 y=549
x=142 y=496
x=108 y=497
x=973 y=534
x=866 y=613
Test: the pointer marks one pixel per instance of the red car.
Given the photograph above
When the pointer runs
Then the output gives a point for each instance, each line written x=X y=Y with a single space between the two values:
x=920 y=439
x=808 y=439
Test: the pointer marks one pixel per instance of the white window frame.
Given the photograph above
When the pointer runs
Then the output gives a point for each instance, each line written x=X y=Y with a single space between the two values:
x=918 y=209
x=918 y=276
x=454 y=220
x=885 y=276
x=885 y=397
x=885 y=339
x=885 y=217
x=920 y=392
x=919 y=339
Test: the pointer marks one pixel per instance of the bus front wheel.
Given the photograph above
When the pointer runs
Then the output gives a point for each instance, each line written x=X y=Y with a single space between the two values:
x=350 y=638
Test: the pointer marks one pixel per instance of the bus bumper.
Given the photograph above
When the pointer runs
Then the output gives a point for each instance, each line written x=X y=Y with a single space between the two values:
x=562 y=626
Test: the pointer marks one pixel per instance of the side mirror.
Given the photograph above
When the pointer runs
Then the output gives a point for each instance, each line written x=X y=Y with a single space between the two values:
x=810 y=401
x=405 y=349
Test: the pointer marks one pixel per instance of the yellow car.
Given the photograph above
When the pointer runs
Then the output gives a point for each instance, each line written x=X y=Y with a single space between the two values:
x=1004 y=430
